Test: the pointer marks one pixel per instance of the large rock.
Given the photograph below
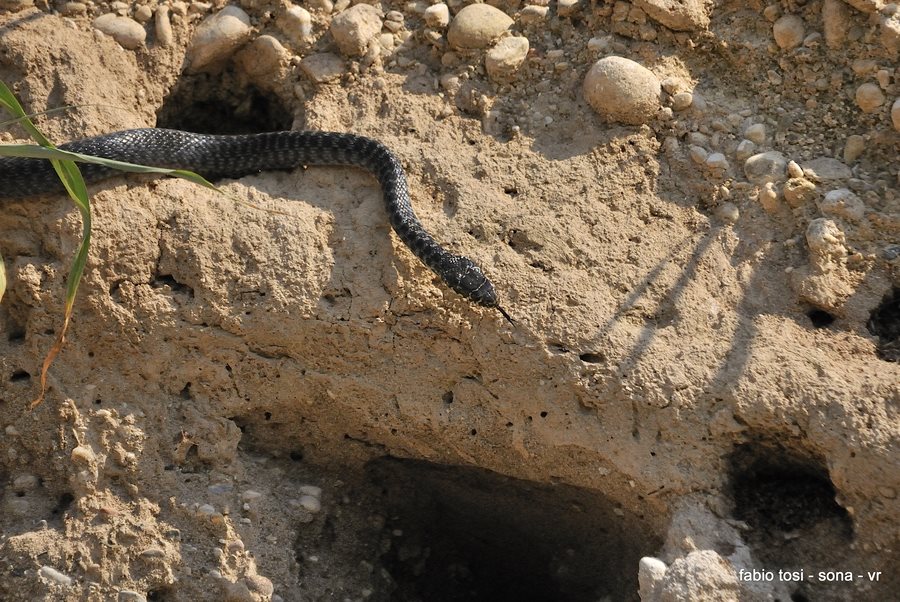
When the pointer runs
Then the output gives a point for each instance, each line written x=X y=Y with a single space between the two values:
x=218 y=37
x=477 y=26
x=679 y=15
x=355 y=27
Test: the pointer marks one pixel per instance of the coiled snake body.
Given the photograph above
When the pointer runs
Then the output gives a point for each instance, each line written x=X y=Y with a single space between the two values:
x=236 y=156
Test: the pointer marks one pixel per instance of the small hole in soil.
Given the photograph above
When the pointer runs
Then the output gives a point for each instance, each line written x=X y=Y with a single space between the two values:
x=820 y=318
x=884 y=322
x=591 y=358
x=19 y=376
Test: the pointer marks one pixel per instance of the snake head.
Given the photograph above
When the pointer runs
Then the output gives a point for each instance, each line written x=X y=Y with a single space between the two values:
x=466 y=278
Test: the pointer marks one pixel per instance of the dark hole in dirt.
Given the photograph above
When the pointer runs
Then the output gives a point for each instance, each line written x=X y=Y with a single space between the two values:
x=820 y=318
x=884 y=322
x=62 y=504
x=467 y=534
x=186 y=391
x=15 y=330
x=798 y=597
x=19 y=376
x=296 y=455
x=591 y=358
x=167 y=280
x=159 y=595
x=786 y=497
x=219 y=104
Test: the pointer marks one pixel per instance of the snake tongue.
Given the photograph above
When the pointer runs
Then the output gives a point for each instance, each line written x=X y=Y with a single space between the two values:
x=506 y=315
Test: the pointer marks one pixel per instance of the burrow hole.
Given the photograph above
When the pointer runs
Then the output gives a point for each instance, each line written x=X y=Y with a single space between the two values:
x=884 y=322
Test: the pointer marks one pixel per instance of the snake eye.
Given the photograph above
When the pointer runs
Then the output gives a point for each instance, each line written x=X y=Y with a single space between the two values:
x=468 y=280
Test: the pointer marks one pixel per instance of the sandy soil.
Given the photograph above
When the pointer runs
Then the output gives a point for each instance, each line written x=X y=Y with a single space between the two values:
x=278 y=402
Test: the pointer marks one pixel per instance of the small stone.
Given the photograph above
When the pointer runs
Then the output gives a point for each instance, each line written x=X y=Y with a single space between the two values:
x=207 y=509
x=24 y=483
x=296 y=23
x=310 y=503
x=127 y=32
x=153 y=552
x=126 y=595
x=83 y=454
x=312 y=490
x=437 y=16
x=717 y=162
x=259 y=585
x=698 y=154
x=853 y=148
x=835 y=22
x=218 y=37
x=263 y=58
x=250 y=495
x=824 y=238
x=798 y=191
x=51 y=574
x=744 y=150
x=143 y=13
x=764 y=167
x=794 y=170
x=768 y=197
x=844 y=204
x=477 y=25
x=729 y=213
x=682 y=101
x=622 y=90
x=323 y=67
x=895 y=114
x=756 y=133
x=164 y=34
x=533 y=13
x=869 y=97
x=789 y=31
x=72 y=9
x=503 y=60
x=353 y=28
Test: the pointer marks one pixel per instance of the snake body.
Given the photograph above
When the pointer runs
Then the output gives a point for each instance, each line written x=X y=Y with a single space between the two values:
x=240 y=155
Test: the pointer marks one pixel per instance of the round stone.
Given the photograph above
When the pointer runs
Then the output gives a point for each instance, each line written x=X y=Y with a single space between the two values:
x=504 y=59
x=765 y=167
x=217 y=37
x=869 y=97
x=127 y=32
x=353 y=28
x=789 y=31
x=622 y=90
x=477 y=25
x=895 y=114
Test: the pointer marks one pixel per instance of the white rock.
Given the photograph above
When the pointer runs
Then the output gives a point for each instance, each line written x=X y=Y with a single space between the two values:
x=51 y=574
x=567 y=8
x=717 y=162
x=143 y=13
x=296 y=23
x=869 y=97
x=437 y=15
x=728 y=212
x=533 y=13
x=310 y=503
x=323 y=67
x=503 y=60
x=698 y=154
x=843 y=203
x=353 y=28
x=789 y=31
x=677 y=15
x=622 y=90
x=825 y=169
x=477 y=25
x=825 y=238
x=127 y=32
x=765 y=167
x=218 y=37
x=682 y=101
x=744 y=150
x=701 y=575
x=895 y=114
x=650 y=574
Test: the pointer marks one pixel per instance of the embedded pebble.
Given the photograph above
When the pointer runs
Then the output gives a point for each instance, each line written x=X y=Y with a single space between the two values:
x=835 y=23
x=296 y=23
x=51 y=574
x=756 y=133
x=503 y=60
x=729 y=212
x=798 y=191
x=249 y=495
x=353 y=28
x=217 y=37
x=310 y=503
x=533 y=13
x=477 y=25
x=825 y=169
x=323 y=67
x=682 y=101
x=164 y=35
x=697 y=153
x=745 y=149
x=763 y=167
x=843 y=203
x=854 y=147
x=825 y=238
x=717 y=162
x=126 y=595
x=895 y=114
x=263 y=57
x=71 y=9
x=650 y=574
x=25 y=483
x=207 y=509
x=312 y=490
x=789 y=31
x=127 y=32
x=768 y=197
x=794 y=170
x=437 y=15
x=869 y=97
x=680 y=15
x=83 y=454
x=143 y=13
x=622 y=90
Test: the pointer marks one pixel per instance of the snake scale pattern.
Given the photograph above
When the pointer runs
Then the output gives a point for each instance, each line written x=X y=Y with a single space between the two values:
x=240 y=155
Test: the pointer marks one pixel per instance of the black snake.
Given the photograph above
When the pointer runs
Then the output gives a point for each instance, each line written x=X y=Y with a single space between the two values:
x=236 y=156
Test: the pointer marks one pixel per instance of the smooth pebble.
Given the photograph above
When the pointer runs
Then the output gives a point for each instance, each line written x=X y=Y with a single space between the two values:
x=853 y=148
x=437 y=15
x=323 y=67
x=756 y=133
x=650 y=573
x=296 y=23
x=164 y=34
x=622 y=90
x=504 y=59
x=789 y=31
x=127 y=32
x=869 y=97
x=895 y=114
x=218 y=37
x=843 y=203
x=51 y=574
x=353 y=28
x=477 y=25
x=764 y=167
